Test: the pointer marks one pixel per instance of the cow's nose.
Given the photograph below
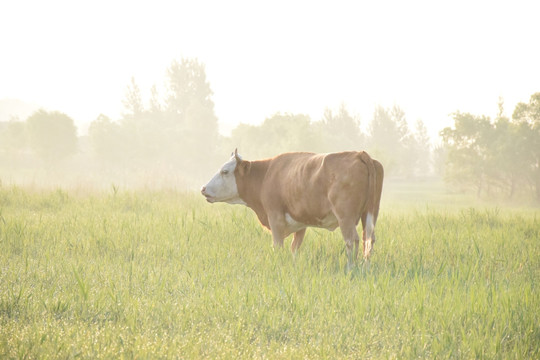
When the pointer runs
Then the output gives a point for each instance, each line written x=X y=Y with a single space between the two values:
x=203 y=190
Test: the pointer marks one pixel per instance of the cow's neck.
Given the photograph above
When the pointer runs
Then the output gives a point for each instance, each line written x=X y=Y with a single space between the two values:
x=249 y=188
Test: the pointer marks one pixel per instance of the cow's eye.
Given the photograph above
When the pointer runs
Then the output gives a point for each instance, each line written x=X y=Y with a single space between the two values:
x=224 y=172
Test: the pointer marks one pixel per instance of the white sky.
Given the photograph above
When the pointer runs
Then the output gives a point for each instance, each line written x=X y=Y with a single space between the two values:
x=429 y=57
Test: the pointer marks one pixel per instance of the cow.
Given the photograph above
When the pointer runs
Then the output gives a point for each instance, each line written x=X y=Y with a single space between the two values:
x=296 y=190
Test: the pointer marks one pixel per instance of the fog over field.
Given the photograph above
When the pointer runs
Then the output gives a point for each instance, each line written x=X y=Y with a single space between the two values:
x=158 y=95
x=113 y=114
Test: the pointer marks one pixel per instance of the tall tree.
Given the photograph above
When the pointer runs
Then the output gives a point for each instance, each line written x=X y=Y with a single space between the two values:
x=52 y=135
x=155 y=102
x=107 y=139
x=13 y=137
x=496 y=156
x=187 y=84
x=391 y=142
x=278 y=133
x=505 y=162
x=467 y=150
x=146 y=137
x=440 y=159
x=527 y=119
x=190 y=120
x=384 y=137
x=421 y=150
x=133 y=103
x=340 y=131
x=13 y=143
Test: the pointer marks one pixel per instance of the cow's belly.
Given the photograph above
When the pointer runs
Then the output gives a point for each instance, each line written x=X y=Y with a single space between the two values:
x=329 y=222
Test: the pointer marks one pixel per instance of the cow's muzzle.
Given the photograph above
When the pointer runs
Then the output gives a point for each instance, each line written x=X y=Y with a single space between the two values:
x=208 y=197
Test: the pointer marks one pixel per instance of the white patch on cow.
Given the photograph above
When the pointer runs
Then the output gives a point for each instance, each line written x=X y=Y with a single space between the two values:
x=294 y=225
x=222 y=187
x=330 y=222
x=370 y=227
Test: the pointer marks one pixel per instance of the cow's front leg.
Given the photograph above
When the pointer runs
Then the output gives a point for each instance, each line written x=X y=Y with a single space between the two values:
x=278 y=239
x=278 y=228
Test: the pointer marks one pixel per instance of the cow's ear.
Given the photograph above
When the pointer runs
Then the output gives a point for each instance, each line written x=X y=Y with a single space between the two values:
x=243 y=167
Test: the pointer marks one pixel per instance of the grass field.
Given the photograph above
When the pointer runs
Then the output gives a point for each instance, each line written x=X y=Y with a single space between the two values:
x=162 y=274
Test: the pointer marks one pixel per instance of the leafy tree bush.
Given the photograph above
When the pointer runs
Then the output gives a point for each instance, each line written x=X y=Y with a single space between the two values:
x=496 y=156
x=527 y=120
x=52 y=135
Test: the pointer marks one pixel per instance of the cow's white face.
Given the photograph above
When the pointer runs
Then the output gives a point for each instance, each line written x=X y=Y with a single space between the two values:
x=222 y=187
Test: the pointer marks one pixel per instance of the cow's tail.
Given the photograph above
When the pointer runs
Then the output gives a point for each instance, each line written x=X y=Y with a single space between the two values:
x=371 y=201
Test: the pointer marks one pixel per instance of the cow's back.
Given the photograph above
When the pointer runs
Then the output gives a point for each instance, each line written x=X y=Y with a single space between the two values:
x=301 y=184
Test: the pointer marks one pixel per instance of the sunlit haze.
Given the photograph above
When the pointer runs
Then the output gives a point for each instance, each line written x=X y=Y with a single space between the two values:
x=430 y=58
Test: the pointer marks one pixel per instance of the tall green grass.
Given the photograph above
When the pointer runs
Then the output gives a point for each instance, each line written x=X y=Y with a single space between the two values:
x=165 y=275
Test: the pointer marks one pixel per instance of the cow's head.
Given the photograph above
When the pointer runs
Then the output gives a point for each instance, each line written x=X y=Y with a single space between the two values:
x=222 y=187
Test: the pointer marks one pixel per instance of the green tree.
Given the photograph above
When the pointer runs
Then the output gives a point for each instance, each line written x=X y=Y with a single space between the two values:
x=187 y=84
x=390 y=141
x=156 y=106
x=13 y=144
x=505 y=161
x=52 y=135
x=133 y=103
x=248 y=139
x=339 y=132
x=526 y=117
x=440 y=158
x=421 y=149
x=107 y=139
x=495 y=157
x=277 y=134
x=13 y=137
x=384 y=135
x=467 y=151
x=144 y=138
x=190 y=122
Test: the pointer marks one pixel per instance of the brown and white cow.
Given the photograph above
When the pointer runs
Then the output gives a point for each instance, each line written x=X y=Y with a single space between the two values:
x=293 y=191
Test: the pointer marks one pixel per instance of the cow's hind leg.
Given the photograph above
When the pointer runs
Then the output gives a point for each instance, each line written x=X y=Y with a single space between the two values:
x=346 y=210
x=297 y=240
x=352 y=240
x=368 y=235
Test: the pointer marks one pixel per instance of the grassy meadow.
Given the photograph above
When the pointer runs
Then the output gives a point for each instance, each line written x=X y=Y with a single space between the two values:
x=162 y=274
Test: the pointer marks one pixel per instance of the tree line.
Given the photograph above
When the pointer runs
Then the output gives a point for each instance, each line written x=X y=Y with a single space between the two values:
x=175 y=135
x=500 y=156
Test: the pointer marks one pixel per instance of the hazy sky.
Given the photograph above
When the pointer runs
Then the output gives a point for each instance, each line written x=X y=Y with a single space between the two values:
x=430 y=57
